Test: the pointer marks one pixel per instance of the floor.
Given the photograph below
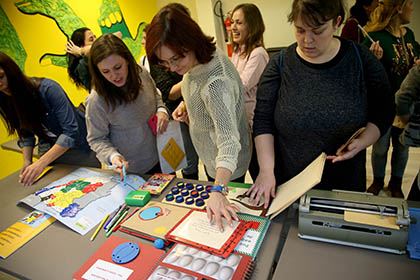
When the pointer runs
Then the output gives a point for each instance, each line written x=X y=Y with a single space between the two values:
x=413 y=166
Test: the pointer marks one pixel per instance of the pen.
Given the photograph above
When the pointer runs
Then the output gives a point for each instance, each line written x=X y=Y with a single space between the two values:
x=128 y=217
x=115 y=225
x=111 y=166
x=99 y=227
x=115 y=213
x=116 y=217
x=364 y=32
x=123 y=173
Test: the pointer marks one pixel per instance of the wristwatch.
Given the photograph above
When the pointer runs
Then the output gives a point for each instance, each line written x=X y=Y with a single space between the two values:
x=219 y=188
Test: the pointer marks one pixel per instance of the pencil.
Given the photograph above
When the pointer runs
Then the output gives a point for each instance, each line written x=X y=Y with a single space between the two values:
x=115 y=213
x=116 y=217
x=128 y=217
x=99 y=227
x=364 y=32
x=117 y=223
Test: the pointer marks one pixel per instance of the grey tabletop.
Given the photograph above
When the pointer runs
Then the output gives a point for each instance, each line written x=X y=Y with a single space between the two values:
x=58 y=252
x=307 y=259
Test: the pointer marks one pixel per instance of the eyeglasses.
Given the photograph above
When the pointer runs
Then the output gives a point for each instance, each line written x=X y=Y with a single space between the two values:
x=174 y=61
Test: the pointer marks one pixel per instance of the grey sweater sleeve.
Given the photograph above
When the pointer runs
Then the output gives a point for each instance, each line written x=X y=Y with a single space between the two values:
x=98 y=128
x=409 y=93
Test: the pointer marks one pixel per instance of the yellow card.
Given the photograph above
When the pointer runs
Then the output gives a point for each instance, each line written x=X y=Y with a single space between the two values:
x=173 y=154
x=48 y=168
x=371 y=219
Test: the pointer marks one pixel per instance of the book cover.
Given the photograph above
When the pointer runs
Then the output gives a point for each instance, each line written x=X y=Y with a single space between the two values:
x=154 y=220
x=157 y=183
x=195 y=230
x=23 y=231
x=254 y=236
x=185 y=262
x=101 y=266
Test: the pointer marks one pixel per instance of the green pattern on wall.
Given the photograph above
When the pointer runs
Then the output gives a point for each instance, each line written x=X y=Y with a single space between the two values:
x=110 y=20
x=9 y=41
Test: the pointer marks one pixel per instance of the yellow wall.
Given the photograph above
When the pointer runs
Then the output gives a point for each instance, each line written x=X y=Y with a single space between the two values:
x=39 y=34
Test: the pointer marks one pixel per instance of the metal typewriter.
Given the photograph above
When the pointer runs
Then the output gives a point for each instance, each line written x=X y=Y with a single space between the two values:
x=321 y=218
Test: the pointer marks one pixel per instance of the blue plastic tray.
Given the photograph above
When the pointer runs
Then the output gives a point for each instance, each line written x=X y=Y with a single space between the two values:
x=413 y=244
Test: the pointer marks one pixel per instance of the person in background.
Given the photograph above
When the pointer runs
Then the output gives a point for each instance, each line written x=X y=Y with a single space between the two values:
x=122 y=100
x=169 y=85
x=407 y=98
x=77 y=50
x=397 y=50
x=250 y=58
x=39 y=106
x=359 y=15
x=305 y=107
x=213 y=102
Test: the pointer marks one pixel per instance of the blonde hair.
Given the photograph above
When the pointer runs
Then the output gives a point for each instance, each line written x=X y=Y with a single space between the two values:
x=385 y=15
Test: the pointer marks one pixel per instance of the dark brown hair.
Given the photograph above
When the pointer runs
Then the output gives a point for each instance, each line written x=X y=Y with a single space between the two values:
x=317 y=12
x=78 y=38
x=103 y=47
x=256 y=28
x=179 y=32
x=22 y=111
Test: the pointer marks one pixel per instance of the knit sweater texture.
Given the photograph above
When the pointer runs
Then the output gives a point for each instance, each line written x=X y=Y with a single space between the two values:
x=213 y=94
x=124 y=129
x=315 y=108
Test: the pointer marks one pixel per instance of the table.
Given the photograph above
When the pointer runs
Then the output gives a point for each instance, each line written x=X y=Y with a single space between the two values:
x=58 y=252
x=313 y=260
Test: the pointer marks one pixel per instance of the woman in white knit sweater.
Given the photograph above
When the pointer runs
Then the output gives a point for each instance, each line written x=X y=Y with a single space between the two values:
x=213 y=97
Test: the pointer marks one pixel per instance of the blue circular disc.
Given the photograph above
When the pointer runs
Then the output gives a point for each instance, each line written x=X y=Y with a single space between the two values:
x=170 y=197
x=199 y=202
x=199 y=187
x=189 y=200
x=185 y=192
x=175 y=190
x=179 y=199
x=180 y=184
x=125 y=252
x=189 y=186
x=204 y=195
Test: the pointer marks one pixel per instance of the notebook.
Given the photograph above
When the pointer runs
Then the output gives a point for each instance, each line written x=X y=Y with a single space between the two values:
x=101 y=266
x=157 y=183
x=154 y=220
x=185 y=262
x=195 y=230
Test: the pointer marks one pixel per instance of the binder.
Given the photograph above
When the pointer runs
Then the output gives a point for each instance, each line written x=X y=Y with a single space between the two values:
x=141 y=266
x=185 y=262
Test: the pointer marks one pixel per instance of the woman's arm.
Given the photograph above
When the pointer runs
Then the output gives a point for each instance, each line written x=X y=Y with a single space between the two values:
x=254 y=68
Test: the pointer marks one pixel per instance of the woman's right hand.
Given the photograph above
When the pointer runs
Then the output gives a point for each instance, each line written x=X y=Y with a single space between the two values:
x=180 y=113
x=377 y=50
x=264 y=186
x=118 y=160
x=71 y=48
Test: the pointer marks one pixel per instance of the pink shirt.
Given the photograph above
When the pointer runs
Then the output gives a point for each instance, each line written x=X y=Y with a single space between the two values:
x=250 y=69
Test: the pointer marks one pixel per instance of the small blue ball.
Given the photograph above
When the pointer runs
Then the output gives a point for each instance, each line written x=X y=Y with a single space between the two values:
x=159 y=243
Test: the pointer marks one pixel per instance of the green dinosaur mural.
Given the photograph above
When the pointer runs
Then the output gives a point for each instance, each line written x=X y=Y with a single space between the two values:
x=111 y=20
x=9 y=41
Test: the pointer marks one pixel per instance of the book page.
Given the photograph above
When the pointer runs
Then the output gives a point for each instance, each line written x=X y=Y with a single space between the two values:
x=291 y=190
x=197 y=228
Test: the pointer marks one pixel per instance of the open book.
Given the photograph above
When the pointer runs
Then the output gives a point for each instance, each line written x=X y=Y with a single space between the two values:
x=286 y=193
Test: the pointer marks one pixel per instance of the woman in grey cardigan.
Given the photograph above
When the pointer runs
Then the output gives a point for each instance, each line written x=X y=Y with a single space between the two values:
x=122 y=100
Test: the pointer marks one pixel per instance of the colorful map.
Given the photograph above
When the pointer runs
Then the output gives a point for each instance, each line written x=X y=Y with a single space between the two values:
x=81 y=199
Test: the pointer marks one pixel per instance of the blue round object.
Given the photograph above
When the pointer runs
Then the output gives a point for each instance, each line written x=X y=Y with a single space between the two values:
x=190 y=186
x=189 y=200
x=199 y=202
x=194 y=193
x=159 y=243
x=179 y=199
x=185 y=192
x=175 y=190
x=180 y=185
x=125 y=252
x=199 y=187
x=204 y=195
x=170 y=197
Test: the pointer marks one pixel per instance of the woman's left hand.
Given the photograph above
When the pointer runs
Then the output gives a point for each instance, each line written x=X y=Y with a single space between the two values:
x=71 y=48
x=162 y=122
x=218 y=207
x=352 y=149
x=31 y=173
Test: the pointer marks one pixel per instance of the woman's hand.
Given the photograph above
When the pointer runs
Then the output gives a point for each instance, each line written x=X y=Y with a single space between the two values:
x=218 y=207
x=180 y=113
x=118 y=160
x=71 y=48
x=352 y=149
x=265 y=187
x=377 y=50
x=162 y=122
x=30 y=172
